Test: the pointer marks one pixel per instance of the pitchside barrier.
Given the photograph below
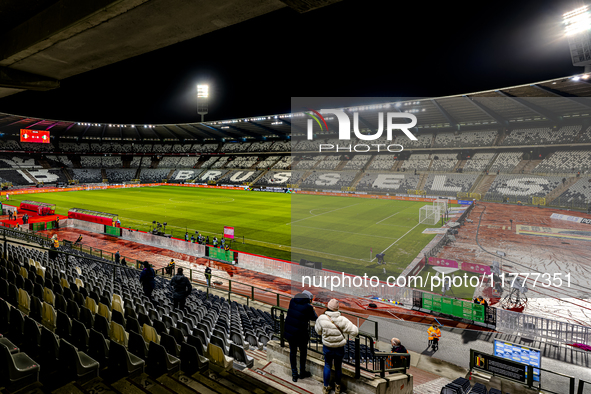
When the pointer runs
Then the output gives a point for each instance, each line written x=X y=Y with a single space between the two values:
x=176 y=245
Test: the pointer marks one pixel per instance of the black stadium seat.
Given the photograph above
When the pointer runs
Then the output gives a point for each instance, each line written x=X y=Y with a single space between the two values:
x=18 y=369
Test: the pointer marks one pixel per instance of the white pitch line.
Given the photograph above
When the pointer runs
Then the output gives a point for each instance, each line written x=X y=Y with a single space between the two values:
x=388 y=217
x=320 y=214
x=393 y=243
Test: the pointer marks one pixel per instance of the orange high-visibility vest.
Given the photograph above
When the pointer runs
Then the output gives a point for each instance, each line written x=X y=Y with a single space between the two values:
x=433 y=333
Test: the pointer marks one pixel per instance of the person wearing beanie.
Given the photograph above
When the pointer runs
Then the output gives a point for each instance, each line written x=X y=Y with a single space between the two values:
x=297 y=331
x=334 y=328
x=147 y=279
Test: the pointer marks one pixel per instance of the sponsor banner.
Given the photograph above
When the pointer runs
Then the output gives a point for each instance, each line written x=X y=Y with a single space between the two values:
x=228 y=232
x=566 y=217
x=464 y=202
x=32 y=190
x=443 y=262
x=561 y=233
x=477 y=268
x=379 y=197
x=435 y=230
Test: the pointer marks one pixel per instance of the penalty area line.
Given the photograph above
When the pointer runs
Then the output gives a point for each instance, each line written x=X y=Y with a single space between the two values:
x=393 y=243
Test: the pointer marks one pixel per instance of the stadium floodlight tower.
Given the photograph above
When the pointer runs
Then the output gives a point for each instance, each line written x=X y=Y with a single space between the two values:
x=202 y=100
x=577 y=24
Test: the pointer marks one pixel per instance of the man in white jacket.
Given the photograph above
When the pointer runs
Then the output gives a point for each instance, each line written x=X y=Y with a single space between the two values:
x=334 y=329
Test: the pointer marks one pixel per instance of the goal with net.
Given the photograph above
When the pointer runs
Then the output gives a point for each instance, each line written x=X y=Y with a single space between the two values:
x=429 y=214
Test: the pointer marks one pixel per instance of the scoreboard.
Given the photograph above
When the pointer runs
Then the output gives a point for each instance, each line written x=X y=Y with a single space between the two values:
x=39 y=136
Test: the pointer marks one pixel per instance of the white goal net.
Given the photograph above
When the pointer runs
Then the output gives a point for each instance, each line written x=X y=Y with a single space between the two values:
x=442 y=204
x=429 y=214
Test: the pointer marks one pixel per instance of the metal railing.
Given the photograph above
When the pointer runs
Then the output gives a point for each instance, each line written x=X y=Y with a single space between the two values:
x=375 y=363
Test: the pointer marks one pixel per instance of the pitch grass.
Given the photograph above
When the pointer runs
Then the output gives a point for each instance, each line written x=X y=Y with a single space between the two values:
x=341 y=232
x=464 y=291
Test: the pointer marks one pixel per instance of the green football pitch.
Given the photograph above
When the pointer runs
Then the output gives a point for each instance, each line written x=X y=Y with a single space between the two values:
x=344 y=233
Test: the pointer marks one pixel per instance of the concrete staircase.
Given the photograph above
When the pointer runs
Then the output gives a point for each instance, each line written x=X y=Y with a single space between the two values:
x=484 y=184
x=422 y=181
x=554 y=194
x=104 y=173
x=170 y=174
x=67 y=174
x=28 y=176
x=459 y=165
x=500 y=138
x=397 y=165
x=526 y=166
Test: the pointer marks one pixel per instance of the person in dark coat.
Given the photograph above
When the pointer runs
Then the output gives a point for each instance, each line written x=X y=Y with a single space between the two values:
x=181 y=288
x=297 y=331
x=148 y=281
x=117 y=257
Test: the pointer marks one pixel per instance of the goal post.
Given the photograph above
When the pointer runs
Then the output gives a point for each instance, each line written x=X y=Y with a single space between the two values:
x=441 y=204
x=429 y=214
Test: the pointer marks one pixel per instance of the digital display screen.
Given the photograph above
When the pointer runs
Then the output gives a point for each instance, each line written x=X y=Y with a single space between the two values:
x=39 y=136
x=519 y=353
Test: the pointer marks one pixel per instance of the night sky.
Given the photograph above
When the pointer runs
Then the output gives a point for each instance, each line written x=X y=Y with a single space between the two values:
x=356 y=48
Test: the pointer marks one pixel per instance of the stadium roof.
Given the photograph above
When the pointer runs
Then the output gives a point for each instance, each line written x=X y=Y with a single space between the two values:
x=553 y=100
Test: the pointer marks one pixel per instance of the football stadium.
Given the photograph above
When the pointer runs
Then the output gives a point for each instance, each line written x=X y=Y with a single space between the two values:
x=385 y=245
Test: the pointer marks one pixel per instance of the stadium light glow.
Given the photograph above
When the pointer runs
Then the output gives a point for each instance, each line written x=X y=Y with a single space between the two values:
x=202 y=91
x=202 y=100
x=577 y=20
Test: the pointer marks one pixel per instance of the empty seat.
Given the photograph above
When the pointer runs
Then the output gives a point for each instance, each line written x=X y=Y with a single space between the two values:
x=137 y=345
x=105 y=311
x=79 y=336
x=101 y=325
x=240 y=356
x=76 y=364
x=150 y=334
x=49 y=347
x=32 y=333
x=98 y=348
x=123 y=362
x=160 y=362
x=217 y=356
x=118 y=334
x=63 y=325
x=191 y=360
x=18 y=368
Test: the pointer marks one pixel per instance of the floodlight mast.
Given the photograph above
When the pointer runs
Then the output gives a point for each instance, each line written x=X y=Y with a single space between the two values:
x=202 y=100
x=577 y=26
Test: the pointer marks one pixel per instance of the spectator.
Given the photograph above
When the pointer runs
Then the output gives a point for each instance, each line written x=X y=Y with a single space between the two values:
x=78 y=240
x=207 y=240
x=215 y=242
x=297 y=331
x=181 y=289
x=57 y=222
x=187 y=236
x=397 y=347
x=192 y=239
x=117 y=257
x=208 y=276
x=147 y=279
x=123 y=262
x=333 y=327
